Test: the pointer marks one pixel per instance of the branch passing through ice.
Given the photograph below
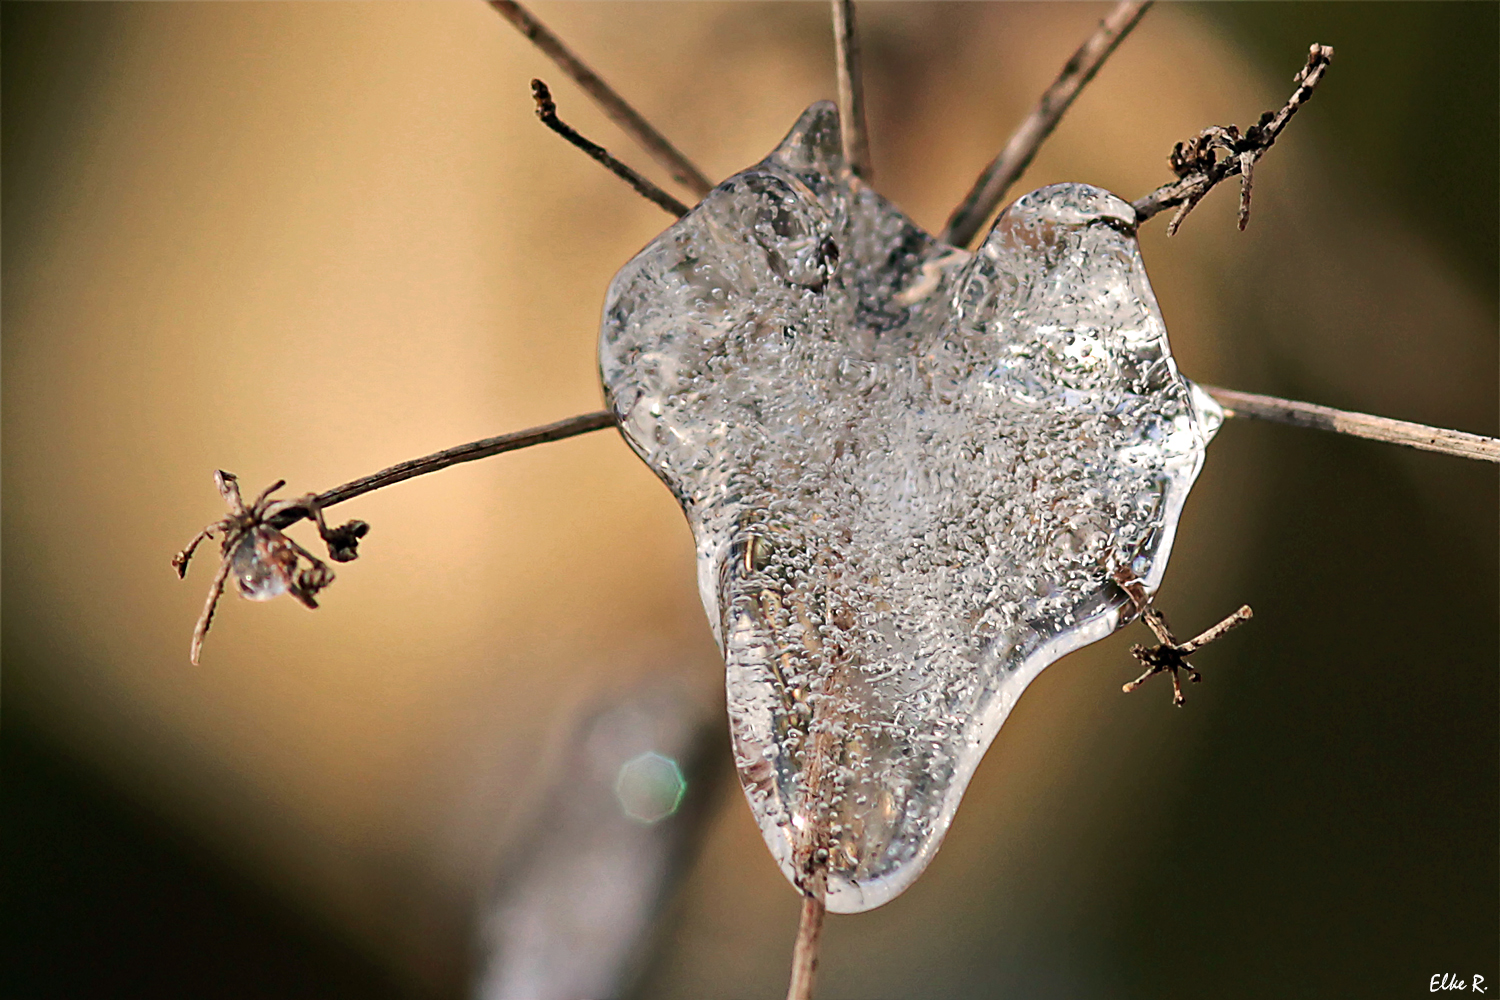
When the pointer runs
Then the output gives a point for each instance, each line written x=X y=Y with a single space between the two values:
x=1460 y=444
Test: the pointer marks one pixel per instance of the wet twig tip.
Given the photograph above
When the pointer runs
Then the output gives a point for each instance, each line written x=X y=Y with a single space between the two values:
x=545 y=107
x=1220 y=152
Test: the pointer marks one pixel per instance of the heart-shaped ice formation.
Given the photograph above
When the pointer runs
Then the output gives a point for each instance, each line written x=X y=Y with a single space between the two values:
x=912 y=473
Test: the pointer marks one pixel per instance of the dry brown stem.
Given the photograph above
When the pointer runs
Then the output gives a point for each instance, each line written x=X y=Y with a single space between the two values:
x=805 y=950
x=1461 y=444
x=622 y=114
x=1005 y=169
x=852 y=129
x=473 y=451
x=276 y=555
x=546 y=110
x=1197 y=162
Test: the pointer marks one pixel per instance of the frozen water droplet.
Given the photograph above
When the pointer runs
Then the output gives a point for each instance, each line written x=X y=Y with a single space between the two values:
x=911 y=473
x=264 y=564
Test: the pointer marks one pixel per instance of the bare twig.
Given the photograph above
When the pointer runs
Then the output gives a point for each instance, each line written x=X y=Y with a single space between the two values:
x=267 y=562
x=613 y=105
x=1199 y=167
x=805 y=951
x=546 y=110
x=470 y=452
x=852 y=129
x=1003 y=171
x=1286 y=411
x=1170 y=656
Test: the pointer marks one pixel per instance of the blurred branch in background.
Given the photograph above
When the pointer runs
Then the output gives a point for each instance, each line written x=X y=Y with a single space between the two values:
x=854 y=132
x=1006 y=168
x=574 y=912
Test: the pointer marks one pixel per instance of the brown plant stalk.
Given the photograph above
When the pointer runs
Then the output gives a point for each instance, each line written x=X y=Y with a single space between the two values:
x=1006 y=168
x=253 y=541
x=546 y=110
x=612 y=104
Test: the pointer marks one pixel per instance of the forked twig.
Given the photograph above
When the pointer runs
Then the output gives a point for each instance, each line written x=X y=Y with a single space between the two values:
x=1197 y=162
x=853 y=131
x=613 y=105
x=1170 y=655
x=805 y=950
x=1005 y=169
x=546 y=110
x=1461 y=444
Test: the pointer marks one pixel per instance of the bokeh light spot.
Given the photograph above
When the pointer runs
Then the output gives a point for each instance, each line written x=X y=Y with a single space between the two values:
x=650 y=787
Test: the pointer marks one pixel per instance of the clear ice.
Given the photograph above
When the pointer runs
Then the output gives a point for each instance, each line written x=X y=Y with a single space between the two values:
x=263 y=564
x=913 y=474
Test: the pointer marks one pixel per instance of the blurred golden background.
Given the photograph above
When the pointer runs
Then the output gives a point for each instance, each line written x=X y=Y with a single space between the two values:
x=306 y=241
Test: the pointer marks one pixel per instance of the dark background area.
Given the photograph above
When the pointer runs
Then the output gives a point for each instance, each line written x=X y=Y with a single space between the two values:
x=103 y=898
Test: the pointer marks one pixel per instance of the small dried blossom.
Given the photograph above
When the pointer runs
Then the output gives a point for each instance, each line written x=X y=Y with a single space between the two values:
x=265 y=562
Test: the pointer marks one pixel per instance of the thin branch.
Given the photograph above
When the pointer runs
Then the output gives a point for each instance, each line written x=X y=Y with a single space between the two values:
x=805 y=951
x=215 y=591
x=613 y=105
x=272 y=563
x=852 y=129
x=1005 y=169
x=1214 y=632
x=1286 y=411
x=1199 y=167
x=471 y=452
x=180 y=560
x=547 y=112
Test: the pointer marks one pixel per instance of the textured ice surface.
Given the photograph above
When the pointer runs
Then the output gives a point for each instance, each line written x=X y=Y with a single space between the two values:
x=911 y=473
